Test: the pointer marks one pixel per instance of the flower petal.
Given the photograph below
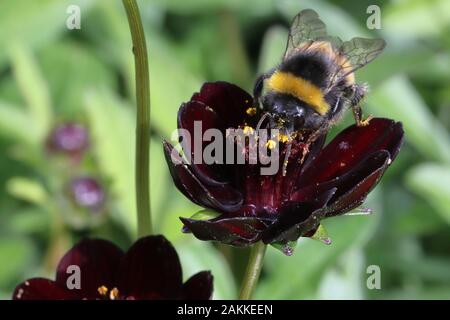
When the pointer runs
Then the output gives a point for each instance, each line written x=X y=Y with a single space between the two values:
x=198 y=287
x=339 y=195
x=314 y=149
x=150 y=269
x=196 y=118
x=228 y=100
x=350 y=147
x=237 y=231
x=97 y=261
x=297 y=218
x=354 y=187
x=301 y=156
x=41 y=289
x=222 y=197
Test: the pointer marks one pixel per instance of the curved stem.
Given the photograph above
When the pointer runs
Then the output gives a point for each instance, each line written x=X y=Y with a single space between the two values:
x=254 y=266
x=142 y=119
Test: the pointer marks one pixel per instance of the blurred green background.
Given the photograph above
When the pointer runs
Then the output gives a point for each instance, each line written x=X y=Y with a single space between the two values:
x=51 y=75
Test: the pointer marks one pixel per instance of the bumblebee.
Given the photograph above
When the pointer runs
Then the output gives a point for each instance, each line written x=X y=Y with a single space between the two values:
x=315 y=82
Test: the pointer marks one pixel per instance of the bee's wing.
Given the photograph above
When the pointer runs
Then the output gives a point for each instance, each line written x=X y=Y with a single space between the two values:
x=357 y=52
x=306 y=27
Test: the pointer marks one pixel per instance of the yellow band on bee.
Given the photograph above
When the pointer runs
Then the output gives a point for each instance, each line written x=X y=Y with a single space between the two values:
x=287 y=83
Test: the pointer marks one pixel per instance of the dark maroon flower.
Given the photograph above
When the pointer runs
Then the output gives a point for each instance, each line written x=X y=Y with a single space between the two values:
x=87 y=192
x=319 y=181
x=150 y=269
x=71 y=139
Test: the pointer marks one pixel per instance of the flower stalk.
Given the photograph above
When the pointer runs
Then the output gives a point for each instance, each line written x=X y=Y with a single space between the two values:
x=253 y=270
x=142 y=119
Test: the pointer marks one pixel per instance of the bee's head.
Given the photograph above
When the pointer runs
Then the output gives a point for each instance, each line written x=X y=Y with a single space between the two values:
x=292 y=111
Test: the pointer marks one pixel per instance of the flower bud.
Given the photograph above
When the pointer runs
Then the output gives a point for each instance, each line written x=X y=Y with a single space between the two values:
x=71 y=139
x=87 y=192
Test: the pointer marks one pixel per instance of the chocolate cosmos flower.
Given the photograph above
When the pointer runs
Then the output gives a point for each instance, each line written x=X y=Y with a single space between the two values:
x=318 y=181
x=150 y=269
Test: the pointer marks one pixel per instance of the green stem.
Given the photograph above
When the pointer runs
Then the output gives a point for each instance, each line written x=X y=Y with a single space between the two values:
x=255 y=263
x=142 y=120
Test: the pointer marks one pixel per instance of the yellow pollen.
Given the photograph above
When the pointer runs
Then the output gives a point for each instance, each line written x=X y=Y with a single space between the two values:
x=283 y=138
x=248 y=130
x=114 y=294
x=271 y=144
x=102 y=290
x=251 y=111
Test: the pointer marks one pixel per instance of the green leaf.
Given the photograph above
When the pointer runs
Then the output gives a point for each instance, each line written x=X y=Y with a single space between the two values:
x=415 y=219
x=171 y=85
x=35 y=23
x=28 y=221
x=306 y=267
x=428 y=267
x=287 y=249
x=434 y=69
x=321 y=234
x=397 y=99
x=113 y=126
x=70 y=69
x=17 y=256
x=159 y=181
x=28 y=190
x=430 y=181
x=345 y=280
x=199 y=256
x=113 y=40
x=359 y=212
x=33 y=87
x=205 y=215
x=395 y=61
x=177 y=205
x=430 y=17
x=13 y=120
x=256 y=7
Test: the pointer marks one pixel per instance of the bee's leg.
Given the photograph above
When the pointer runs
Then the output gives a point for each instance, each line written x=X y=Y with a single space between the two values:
x=257 y=89
x=357 y=114
x=259 y=85
x=359 y=92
